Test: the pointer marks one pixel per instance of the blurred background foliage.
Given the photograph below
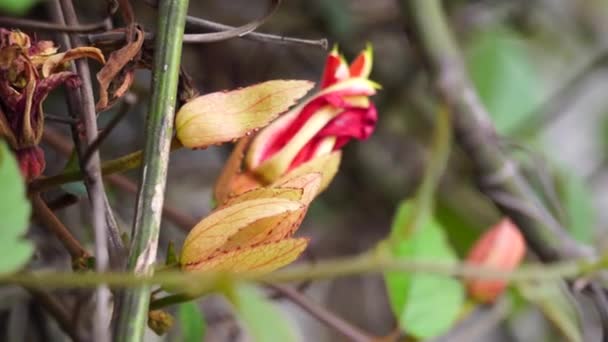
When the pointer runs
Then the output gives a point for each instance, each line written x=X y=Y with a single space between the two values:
x=539 y=67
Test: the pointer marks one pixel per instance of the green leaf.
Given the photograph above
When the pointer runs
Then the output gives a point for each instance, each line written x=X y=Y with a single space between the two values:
x=262 y=319
x=15 y=214
x=17 y=7
x=504 y=77
x=192 y=322
x=552 y=299
x=425 y=305
x=576 y=198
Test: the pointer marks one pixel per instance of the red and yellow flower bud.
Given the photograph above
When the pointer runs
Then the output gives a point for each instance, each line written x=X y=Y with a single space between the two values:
x=271 y=178
x=503 y=248
x=312 y=132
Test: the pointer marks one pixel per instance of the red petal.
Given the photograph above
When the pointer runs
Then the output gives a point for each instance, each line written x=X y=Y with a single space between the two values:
x=282 y=136
x=362 y=65
x=354 y=123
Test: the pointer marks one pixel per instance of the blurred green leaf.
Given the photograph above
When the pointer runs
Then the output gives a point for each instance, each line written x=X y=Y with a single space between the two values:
x=263 y=321
x=460 y=231
x=552 y=299
x=576 y=198
x=17 y=7
x=504 y=77
x=425 y=305
x=192 y=322
x=15 y=214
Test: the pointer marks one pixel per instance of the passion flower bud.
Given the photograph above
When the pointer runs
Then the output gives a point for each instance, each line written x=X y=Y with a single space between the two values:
x=502 y=248
x=341 y=111
x=311 y=134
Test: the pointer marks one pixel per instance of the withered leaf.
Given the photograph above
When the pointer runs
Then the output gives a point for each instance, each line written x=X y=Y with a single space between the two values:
x=117 y=61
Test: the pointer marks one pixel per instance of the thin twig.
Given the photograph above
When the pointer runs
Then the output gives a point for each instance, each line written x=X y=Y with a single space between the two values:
x=221 y=32
x=121 y=164
x=64 y=147
x=46 y=217
x=233 y=32
x=323 y=315
x=60 y=119
x=56 y=310
x=132 y=317
x=45 y=26
x=93 y=181
x=128 y=101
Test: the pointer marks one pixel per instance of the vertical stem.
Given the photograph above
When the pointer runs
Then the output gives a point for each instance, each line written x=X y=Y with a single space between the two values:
x=83 y=103
x=168 y=47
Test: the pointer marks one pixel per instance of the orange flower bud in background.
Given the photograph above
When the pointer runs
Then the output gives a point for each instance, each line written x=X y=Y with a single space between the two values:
x=502 y=248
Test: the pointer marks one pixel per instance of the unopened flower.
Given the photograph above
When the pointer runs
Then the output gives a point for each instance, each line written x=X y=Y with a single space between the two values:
x=252 y=231
x=502 y=248
x=28 y=72
x=341 y=111
x=312 y=132
x=271 y=178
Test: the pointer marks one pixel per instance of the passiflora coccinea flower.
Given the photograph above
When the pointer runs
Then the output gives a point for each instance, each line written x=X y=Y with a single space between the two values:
x=272 y=175
x=318 y=128
x=502 y=248
x=28 y=72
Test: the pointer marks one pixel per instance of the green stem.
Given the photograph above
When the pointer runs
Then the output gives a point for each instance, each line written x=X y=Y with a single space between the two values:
x=439 y=154
x=170 y=300
x=122 y=164
x=196 y=283
x=133 y=313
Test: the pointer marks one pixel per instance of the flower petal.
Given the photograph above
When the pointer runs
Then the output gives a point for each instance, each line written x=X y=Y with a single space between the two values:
x=262 y=258
x=325 y=165
x=335 y=70
x=362 y=65
x=224 y=116
x=214 y=230
x=280 y=161
x=502 y=247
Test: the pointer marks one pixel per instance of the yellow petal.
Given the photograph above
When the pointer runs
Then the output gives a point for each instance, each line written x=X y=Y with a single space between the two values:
x=309 y=183
x=275 y=166
x=261 y=258
x=224 y=116
x=326 y=165
x=214 y=230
